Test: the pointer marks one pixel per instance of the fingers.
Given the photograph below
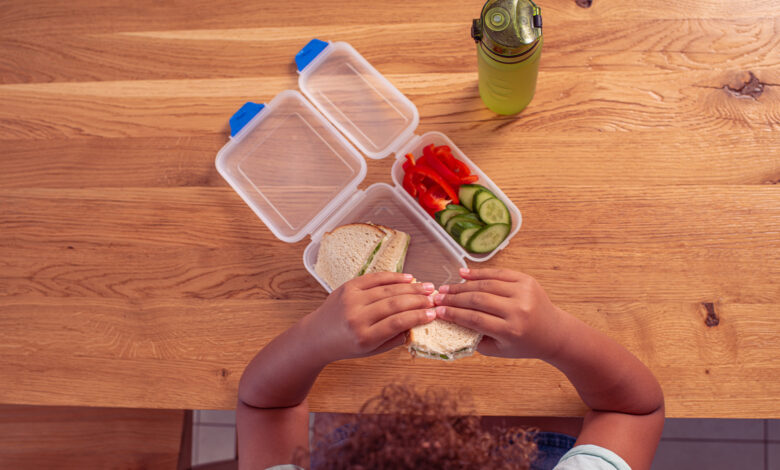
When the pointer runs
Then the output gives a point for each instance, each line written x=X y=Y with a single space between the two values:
x=490 y=286
x=479 y=321
x=380 y=279
x=399 y=323
x=475 y=300
x=378 y=293
x=492 y=273
x=386 y=307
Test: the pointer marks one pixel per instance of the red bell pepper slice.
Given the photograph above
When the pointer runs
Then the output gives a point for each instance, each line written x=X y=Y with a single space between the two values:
x=431 y=174
x=409 y=184
x=469 y=179
x=434 y=200
x=444 y=171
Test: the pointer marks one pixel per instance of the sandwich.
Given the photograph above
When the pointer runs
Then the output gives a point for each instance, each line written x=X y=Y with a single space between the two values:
x=352 y=250
x=442 y=340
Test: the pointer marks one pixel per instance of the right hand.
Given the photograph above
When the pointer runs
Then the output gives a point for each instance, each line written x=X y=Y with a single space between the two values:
x=509 y=308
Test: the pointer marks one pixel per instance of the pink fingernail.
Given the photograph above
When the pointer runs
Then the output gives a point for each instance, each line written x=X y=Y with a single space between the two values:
x=431 y=300
x=444 y=289
x=408 y=277
x=440 y=312
x=438 y=298
x=430 y=313
x=428 y=286
x=464 y=271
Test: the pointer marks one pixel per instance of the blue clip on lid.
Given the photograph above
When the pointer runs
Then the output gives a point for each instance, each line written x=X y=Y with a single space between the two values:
x=239 y=119
x=309 y=52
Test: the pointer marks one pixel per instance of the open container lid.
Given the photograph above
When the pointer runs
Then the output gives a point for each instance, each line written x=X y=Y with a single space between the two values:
x=289 y=164
x=355 y=97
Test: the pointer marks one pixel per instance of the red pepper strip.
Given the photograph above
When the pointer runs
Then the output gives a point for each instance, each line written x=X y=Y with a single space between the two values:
x=457 y=166
x=430 y=173
x=410 y=158
x=469 y=179
x=409 y=184
x=428 y=150
x=444 y=171
x=434 y=200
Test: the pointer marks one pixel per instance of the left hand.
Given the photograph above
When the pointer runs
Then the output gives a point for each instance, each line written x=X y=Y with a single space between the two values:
x=368 y=315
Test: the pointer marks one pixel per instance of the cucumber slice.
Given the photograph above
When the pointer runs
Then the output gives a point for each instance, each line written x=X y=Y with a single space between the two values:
x=493 y=211
x=459 y=227
x=466 y=194
x=466 y=235
x=458 y=207
x=488 y=238
x=481 y=197
x=470 y=217
x=444 y=216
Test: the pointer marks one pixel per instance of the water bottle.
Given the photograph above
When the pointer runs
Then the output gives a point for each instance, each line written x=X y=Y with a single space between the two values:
x=508 y=34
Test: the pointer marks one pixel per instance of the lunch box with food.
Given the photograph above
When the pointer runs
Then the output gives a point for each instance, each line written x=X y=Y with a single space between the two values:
x=297 y=162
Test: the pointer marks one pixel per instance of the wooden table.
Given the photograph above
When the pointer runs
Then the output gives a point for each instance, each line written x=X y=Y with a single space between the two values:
x=646 y=169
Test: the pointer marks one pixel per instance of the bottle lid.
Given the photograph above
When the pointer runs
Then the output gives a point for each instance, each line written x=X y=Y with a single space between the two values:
x=508 y=28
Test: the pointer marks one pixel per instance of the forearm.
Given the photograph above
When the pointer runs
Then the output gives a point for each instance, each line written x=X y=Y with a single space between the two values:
x=282 y=373
x=606 y=375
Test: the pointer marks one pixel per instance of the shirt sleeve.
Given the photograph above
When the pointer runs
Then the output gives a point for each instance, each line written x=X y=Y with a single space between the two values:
x=591 y=457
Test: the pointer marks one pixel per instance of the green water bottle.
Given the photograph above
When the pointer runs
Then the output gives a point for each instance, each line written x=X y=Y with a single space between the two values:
x=508 y=34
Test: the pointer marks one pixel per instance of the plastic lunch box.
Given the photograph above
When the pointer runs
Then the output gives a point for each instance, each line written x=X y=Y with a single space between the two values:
x=289 y=161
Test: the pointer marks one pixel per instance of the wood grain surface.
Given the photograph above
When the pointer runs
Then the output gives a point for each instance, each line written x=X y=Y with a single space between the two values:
x=68 y=438
x=131 y=275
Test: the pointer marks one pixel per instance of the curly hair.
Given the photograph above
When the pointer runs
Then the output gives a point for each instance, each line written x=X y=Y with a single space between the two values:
x=404 y=428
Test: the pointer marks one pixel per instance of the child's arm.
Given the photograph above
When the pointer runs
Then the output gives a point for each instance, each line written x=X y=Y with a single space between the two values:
x=366 y=316
x=518 y=320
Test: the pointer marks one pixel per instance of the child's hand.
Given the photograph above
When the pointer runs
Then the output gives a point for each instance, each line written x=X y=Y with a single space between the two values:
x=369 y=315
x=509 y=308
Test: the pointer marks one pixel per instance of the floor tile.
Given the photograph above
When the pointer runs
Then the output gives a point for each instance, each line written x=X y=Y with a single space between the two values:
x=214 y=443
x=774 y=429
x=216 y=417
x=773 y=456
x=728 y=429
x=687 y=455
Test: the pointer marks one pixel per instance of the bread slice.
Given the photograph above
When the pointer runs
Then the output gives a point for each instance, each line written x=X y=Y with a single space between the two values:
x=346 y=252
x=392 y=254
x=442 y=340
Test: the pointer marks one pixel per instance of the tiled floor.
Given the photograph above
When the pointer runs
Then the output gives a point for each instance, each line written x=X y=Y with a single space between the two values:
x=714 y=444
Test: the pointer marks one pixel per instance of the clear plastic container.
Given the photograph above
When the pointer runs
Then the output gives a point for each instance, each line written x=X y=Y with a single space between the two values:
x=300 y=175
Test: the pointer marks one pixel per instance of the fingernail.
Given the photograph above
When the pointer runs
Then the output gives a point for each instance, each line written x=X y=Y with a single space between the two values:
x=408 y=277
x=428 y=286
x=430 y=313
x=431 y=300
x=464 y=271
x=440 y=312
x=438 y=298
x=444 y=289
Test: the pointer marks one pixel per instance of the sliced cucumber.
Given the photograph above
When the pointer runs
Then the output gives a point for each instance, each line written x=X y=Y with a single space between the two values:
x=470 y=217
x=466 y=194
x=458 y=207
x=444 y=216
x=493 y=211
x=466 y=235
x=457 y=230
x=488 y=238
x=481 y=197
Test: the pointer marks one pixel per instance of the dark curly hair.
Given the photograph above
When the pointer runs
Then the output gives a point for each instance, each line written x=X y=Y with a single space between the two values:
x=403 y=428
